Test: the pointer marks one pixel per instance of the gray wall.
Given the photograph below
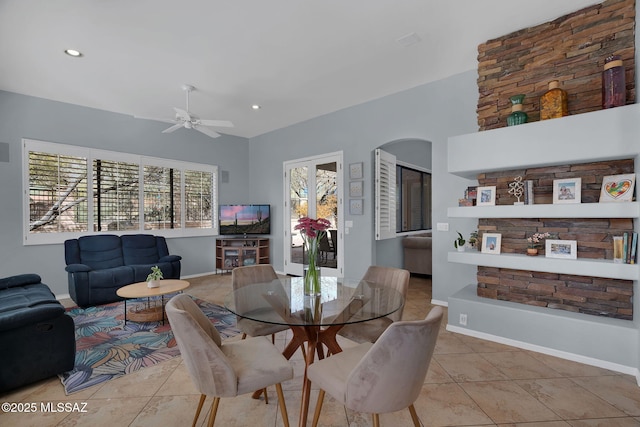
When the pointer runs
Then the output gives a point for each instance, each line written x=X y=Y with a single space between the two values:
x=35 y=118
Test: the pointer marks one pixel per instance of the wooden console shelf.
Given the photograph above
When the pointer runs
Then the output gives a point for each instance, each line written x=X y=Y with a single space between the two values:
x=238 y=251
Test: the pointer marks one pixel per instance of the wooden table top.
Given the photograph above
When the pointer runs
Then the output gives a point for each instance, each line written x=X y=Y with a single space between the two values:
x=140 y=289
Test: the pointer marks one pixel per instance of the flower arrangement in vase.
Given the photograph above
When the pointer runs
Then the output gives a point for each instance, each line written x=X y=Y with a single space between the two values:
x=153 y=279
x=534 y=241
x=312 y=230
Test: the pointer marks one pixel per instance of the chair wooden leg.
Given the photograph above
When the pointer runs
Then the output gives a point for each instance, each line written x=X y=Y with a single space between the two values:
x=316 y=413
x=202 y=399
x=214 y=411
x=266 y=398
x=414 y=416
x=283 y=406
x=376 y=420
x=273 y=338
x=244 y=335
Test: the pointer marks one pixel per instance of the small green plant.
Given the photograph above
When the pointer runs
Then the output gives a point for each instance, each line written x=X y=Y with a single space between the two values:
x=459 y=242
x=473 y=239
x=156 y=274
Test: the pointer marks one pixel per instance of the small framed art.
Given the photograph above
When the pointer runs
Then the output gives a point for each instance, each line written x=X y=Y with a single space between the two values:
x=567 y=190
x=617 y=188
x=355 y=188
x=356 y=206
x=355 y=171
x=491 y=243
x=486 y=196
x=566 y=249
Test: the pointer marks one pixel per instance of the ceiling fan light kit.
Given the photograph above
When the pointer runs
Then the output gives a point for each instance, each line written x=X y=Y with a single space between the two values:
x=184 y=119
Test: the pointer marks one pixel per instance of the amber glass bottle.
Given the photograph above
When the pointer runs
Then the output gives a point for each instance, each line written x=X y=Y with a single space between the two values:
x=553 y=103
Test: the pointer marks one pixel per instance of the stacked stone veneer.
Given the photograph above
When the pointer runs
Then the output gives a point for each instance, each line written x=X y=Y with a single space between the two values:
x=584 y=294
x=571 y=49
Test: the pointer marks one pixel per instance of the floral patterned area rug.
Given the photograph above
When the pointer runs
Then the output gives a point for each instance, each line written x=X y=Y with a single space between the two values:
x=106 y=348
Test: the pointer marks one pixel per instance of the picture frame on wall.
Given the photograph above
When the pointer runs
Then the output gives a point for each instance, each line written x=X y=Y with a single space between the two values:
x=567 y=190
x=356 y=206
x=356 y=188
x=617 y=188
x=355 y=170
x=564 y=249
x=486 y=196
x=491 y=243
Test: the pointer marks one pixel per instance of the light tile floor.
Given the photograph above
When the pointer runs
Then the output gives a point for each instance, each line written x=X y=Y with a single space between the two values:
x=470 y=382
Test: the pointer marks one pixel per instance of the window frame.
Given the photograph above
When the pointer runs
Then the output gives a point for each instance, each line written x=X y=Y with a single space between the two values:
x=422 y=171
x=91 y=154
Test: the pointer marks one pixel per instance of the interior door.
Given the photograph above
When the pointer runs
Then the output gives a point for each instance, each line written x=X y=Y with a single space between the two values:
x=313 y=188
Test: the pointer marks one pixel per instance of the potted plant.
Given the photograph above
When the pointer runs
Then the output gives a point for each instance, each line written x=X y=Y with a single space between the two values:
x=533 y=242
x=153 y=279
x=473 y=239
x=459 y=242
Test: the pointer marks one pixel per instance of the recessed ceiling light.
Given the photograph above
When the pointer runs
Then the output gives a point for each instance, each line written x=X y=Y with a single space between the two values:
x=256 y=107
x=73 y=52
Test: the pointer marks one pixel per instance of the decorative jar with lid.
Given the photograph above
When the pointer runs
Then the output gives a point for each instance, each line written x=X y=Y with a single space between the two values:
x=553 y=103
x=517 y=116
x=614 y=91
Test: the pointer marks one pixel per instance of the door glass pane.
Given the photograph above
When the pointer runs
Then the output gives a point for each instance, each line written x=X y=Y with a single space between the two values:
x=327 y=207
x=299 y=195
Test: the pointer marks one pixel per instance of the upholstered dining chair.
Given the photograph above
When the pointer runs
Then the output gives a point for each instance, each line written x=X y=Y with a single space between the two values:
x=224 y=370
x=396 y=278
x=382 y=377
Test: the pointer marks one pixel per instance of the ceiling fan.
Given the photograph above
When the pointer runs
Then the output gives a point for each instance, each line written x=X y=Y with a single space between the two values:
x=185 y=119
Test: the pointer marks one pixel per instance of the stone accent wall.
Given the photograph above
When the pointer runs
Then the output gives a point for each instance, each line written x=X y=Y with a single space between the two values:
x=571 y=49
x=590 y=295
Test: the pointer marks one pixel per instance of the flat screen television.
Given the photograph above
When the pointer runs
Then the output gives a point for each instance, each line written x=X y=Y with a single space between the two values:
x=245 y=219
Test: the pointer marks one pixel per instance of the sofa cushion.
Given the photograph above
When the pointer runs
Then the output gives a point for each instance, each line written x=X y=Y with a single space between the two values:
x=140 y=272
x=25 y=305
x=139 y=249
x=100 y=252
x=111 y=277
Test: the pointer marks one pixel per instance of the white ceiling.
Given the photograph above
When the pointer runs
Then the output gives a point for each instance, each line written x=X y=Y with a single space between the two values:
x=298 y=59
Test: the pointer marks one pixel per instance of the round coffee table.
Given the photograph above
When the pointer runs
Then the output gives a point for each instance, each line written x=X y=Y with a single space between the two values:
x=149 y=313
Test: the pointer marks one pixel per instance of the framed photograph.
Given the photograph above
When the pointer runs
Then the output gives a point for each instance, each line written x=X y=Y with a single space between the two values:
x=567 y=190
x=356 y=206
x=486 y=196
x=355 y=188
x=491 y=243
x=355 y=171
x=617 y=188
x=567 y=249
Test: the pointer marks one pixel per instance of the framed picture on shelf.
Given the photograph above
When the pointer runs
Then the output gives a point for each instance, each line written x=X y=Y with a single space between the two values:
x=567 y=190
x=566 y=249
x=617 y=188
x=486 y=196
x=491 y=243
x=355 y=188
x=355 y=171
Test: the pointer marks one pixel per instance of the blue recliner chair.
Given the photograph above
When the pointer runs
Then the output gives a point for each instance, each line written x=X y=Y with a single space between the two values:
x=99 y=265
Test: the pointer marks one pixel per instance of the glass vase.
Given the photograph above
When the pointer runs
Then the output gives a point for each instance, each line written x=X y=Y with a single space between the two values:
x=312 y=283
x=517 y=116
x=614 y=89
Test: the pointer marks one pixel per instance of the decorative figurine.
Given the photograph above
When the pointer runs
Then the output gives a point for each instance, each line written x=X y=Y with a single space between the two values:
x=516 y=189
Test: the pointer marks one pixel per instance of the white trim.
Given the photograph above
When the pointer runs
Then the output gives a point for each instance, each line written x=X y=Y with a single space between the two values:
x=629 y=370
x=439 y=302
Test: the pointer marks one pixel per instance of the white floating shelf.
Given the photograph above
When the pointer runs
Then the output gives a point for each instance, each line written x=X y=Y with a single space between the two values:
x=581 y=210
x=579 y=267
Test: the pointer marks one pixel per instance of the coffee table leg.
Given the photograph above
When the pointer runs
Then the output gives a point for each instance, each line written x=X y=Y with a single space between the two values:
x=125 y=311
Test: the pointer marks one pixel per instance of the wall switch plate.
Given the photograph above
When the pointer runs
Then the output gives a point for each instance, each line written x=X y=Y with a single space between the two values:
x=348 y=223
x=442 y=226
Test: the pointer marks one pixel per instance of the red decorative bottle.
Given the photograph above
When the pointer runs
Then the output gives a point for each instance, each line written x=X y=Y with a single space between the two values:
x=614 y=91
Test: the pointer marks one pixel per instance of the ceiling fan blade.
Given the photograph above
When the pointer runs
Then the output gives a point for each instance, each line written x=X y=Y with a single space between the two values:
x=208 y=132
x=182 y=114
x=173 y=128
x=155 y=118
x=216 y=123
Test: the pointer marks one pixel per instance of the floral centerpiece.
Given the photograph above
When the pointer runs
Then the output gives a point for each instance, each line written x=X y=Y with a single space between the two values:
x=312 y=230
x=534 y=241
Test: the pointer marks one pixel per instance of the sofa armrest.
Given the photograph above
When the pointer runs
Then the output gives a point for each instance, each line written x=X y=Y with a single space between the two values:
x=19 y=280
x=170 y=258
x=77 y=268
x=417 y=242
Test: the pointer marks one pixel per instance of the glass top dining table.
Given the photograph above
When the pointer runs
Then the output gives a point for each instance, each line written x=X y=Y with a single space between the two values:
x=313 y=319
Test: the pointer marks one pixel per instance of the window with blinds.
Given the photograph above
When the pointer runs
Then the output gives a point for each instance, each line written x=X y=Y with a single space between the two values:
x=70 y=191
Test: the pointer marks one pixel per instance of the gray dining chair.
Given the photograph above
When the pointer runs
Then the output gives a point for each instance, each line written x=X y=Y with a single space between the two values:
x=226 y=369
x=395 y=278
x=381 y=377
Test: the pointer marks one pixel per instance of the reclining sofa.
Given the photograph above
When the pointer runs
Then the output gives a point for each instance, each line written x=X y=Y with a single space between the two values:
x=417 y=253
x=38 y=337
x=99 y=265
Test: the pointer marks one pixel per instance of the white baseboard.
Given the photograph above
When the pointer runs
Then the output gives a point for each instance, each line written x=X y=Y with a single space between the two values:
x=629 y=370
x=439 y=302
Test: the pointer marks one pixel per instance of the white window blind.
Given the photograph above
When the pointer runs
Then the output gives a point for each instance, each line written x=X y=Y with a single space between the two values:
x=385 y=195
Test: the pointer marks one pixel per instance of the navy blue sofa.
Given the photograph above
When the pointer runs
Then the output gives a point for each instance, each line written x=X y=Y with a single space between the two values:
x=99 y=265
x=38 y=336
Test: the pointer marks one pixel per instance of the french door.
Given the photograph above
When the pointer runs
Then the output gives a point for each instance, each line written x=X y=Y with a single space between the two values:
x=313 y=188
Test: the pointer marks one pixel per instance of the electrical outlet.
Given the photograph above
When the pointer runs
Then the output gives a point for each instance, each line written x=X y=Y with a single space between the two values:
x=463 y=319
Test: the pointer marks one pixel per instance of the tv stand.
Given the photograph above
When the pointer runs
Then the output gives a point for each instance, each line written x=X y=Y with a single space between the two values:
x=232 y=252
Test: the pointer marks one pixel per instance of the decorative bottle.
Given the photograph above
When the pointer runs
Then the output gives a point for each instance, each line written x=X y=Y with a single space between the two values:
x=517 y=116
x=614 y=92
x=553 y=103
